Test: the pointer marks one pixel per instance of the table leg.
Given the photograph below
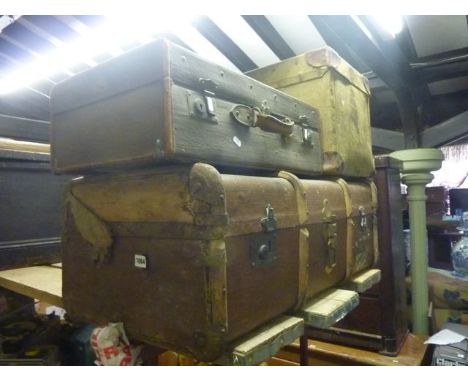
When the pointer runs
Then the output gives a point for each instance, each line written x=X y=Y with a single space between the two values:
x=304 y=353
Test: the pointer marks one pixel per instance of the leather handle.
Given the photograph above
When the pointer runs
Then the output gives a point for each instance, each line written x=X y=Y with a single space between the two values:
x=253 y=117
x=272 y=124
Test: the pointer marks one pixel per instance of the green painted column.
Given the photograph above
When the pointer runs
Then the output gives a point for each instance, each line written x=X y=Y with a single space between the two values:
x=416 y=174
x=417 y=213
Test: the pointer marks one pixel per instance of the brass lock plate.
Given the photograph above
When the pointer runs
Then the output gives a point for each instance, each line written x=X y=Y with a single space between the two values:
x=263 y=249
x=201 y=106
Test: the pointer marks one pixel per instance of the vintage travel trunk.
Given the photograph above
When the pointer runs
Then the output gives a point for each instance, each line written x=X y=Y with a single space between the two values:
x=341 y=94
x=30 y=205
x=191 y=259
x=161 y=103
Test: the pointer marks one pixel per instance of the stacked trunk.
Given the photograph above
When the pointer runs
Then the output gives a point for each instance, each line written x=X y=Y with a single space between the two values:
x=189 y=256
x=323 y=79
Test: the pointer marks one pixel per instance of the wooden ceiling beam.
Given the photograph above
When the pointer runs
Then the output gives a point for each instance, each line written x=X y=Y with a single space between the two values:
x=223 y=43
x=390 y=66
x=270 y=36
x=446 y=132
x=437 y=71
x=387 y=140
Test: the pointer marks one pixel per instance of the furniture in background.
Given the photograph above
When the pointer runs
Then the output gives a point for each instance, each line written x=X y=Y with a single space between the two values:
x=448 y=295
x=458 y=200
x=413 y=352
x=441 y=237
x=437 y=203
x=31 y=205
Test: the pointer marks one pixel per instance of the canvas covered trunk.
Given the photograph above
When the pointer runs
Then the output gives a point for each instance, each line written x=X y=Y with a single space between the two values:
x=161 y=103
x=341 y=94
x=30 y=205
x=191 y=259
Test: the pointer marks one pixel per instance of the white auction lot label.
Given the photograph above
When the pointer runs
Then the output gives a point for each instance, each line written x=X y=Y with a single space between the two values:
x=140 y=261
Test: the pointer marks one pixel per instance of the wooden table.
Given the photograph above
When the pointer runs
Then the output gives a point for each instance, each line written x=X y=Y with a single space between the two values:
x=320 y=353
x=43 y=283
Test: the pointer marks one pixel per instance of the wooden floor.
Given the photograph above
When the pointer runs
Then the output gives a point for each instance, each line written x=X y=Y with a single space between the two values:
x=43 y=283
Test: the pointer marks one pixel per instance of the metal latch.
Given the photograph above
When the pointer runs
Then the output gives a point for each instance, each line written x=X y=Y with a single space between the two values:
x=263 y=247
x=203 y=106
x=331 y=244
x=330 y=235
x=269 y=221
x=209 y=87
x=307 y=136
x=363 y=219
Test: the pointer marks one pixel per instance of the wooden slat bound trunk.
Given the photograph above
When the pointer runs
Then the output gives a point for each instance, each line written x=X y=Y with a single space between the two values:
x=191 y=259
x=161 y=103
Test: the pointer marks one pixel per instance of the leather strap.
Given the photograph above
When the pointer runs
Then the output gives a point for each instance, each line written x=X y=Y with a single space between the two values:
x=350 y=226
x=303 y=214
x=302 y=210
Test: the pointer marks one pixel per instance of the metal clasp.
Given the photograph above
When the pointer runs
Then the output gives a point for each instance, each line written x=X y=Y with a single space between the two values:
x=209 y=87
x=269 y=221
x=202 y=106
x=307 y=136
x=331 y=244
x=210 y=109
x=263 y=247
x=363 y=219
x=330 y=234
